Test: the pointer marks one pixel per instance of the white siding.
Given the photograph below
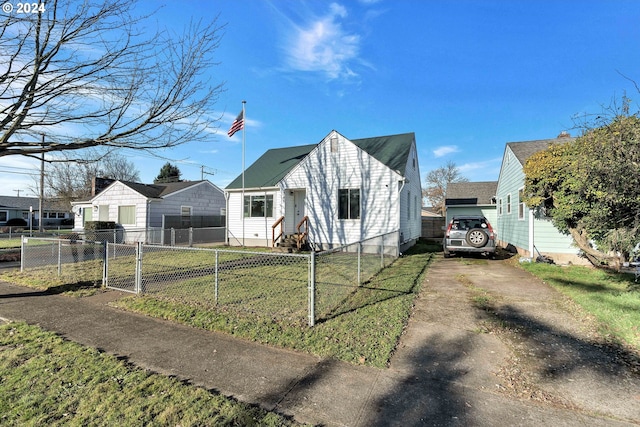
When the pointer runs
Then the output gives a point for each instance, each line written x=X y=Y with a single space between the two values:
x=323 y=172
x=411 y=222
x=257 y=231
x=119 y=194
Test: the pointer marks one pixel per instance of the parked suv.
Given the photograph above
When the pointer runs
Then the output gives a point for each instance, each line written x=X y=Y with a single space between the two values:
x=471 y=233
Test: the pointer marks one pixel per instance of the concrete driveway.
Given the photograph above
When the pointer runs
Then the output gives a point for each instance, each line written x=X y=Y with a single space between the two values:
x=487 y=344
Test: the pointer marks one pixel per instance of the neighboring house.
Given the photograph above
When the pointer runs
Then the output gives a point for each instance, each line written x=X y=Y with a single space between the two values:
x=19 y=207
x=350 y=190
x=471 y=198
x=136 y=206
x=518 y=227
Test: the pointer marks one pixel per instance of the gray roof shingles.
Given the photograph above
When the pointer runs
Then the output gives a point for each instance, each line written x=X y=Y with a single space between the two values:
x=471 y=193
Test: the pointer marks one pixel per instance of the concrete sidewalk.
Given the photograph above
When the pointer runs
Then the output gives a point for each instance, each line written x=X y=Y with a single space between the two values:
x=442 y=374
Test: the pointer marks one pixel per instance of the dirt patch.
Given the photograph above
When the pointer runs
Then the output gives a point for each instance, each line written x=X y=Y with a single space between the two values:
x=555 y=354
x=10 y=256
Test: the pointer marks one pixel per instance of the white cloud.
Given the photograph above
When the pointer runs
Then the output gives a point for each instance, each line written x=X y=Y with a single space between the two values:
x=444 y=150
x=321 y=44
x=486 y=170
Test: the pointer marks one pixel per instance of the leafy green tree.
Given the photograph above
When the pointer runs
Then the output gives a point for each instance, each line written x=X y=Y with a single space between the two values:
x=168 y=173
x=591 y=189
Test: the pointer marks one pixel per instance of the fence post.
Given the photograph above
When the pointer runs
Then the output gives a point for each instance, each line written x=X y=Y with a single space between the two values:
x=59 y=257
x=312 y=289
x=190 y=236
x=23 y=246
x=359 y=253
x=216 y=279
x=138 y=274
x=173 y=237
x=105 y=263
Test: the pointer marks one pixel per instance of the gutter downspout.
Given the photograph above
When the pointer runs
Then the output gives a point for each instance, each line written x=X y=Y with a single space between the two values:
x=226 y=218
x=400 y=212
x=531 y=235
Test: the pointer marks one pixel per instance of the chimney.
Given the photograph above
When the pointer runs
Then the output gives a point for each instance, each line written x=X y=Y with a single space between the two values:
x=564 y=134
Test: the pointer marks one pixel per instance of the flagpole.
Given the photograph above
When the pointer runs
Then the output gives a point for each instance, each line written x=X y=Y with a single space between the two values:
x=244 y=122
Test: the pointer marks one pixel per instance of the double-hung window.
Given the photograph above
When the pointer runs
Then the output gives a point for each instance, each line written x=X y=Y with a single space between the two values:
x=349 y=203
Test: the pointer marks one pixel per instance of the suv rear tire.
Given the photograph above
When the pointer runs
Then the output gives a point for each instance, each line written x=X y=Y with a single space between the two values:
x=477 y=238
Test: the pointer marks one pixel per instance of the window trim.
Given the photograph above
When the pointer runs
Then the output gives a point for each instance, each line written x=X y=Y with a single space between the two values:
x=509 y=204
x=6 y=215
x=500 y=206
x=120 y=207
x=520 y=204
x=247 y=210
x=351 y=193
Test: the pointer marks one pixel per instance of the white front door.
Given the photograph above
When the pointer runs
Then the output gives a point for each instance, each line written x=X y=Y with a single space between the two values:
x=298 y=206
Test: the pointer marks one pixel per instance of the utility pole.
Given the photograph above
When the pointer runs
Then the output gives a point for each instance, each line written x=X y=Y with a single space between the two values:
x=18 y=191
x=40 y=212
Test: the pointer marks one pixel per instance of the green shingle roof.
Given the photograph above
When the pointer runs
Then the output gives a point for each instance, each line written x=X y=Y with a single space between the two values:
x=273 y=165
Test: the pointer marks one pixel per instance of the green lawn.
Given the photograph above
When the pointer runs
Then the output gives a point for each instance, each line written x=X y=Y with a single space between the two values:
x=46 y=380
x=612 y=298
x=359 y=324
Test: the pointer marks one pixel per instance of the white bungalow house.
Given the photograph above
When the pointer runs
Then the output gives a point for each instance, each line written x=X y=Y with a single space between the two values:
x=347 y=190
x=134 y=206
x=518 y=227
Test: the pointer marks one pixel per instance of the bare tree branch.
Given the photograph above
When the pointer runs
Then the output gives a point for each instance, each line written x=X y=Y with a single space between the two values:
x=84 y=74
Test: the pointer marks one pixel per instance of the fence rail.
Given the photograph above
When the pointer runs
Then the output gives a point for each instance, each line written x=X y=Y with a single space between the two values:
x=293 y=288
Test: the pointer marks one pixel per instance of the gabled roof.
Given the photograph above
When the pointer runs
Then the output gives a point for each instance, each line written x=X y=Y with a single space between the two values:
x=24 y=203
x=524 y=150
x=151 y=191
x=272 y=166
x=156 y=191
x=471 y=193
x=392 y=150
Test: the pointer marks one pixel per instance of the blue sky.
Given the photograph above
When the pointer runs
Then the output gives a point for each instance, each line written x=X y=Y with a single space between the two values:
x=465 y=76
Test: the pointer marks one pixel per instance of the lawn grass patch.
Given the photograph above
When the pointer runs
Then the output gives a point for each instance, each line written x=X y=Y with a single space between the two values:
x=12 y=243
x=611 y=298
x=47 y=380
x=363 y=328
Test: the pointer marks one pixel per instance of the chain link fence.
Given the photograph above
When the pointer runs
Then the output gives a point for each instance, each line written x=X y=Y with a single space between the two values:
x=73 y=260
x=341 y=271
x=285 y=287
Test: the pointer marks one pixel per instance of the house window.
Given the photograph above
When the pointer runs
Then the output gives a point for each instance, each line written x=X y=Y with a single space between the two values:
x=127 y=214
x=508 y=204
x=258 y=206
x=87 y=214
x=103 y=212
x=185 y=216
x=500 y=207
x=520 y=203
x=4 y=216
x=349 y=203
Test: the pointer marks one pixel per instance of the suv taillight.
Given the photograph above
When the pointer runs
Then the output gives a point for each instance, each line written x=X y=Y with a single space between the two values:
x=490 y=231
x=446 y=234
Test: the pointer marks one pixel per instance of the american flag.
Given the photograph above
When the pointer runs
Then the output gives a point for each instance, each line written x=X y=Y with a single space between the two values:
x=237 y=124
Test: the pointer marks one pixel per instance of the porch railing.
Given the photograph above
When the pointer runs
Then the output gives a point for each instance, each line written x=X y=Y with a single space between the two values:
x=302 y=236
x=274 y=238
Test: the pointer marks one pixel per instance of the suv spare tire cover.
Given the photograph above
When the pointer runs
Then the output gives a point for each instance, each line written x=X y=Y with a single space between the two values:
x=477 y=238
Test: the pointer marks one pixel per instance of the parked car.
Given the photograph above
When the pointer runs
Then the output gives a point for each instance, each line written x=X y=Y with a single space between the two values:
x=470 y=233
